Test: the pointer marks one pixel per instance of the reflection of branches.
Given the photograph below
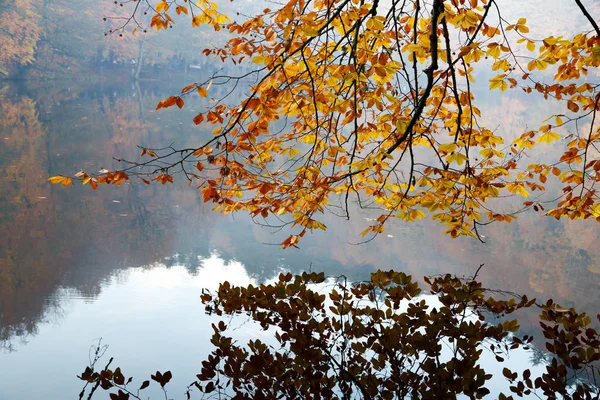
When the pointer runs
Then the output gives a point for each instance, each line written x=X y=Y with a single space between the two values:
x=539 y=357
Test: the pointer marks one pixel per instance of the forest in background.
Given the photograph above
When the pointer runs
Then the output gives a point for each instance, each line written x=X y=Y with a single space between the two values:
x=61 y=39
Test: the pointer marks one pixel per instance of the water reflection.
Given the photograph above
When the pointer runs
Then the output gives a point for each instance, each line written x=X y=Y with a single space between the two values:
x=152 y=317
x=61 y=250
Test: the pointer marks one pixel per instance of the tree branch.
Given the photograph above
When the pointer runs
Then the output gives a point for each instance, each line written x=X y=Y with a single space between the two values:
x=588 y=16
x=438 y=6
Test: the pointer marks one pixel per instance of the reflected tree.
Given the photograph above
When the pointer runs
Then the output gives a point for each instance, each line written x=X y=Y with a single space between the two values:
x=377 y=339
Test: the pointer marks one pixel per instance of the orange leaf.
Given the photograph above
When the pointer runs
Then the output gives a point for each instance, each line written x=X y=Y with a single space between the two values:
x=167 y=103
x=189 y=87
x=198 y=119
x=209 y=193
x=555 y=171
x=571 y=105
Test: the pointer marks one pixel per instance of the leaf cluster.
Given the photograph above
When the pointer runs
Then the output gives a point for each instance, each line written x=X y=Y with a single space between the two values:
x=382 y=339
x=352 y=103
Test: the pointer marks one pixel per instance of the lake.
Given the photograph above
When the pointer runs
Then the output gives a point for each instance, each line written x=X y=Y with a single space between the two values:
x=127 y=264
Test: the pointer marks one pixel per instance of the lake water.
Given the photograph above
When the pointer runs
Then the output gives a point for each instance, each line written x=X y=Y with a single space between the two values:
x=128 y=263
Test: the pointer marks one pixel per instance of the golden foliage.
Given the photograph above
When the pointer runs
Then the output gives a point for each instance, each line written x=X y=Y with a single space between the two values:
x=381 y=106
x=19 y=32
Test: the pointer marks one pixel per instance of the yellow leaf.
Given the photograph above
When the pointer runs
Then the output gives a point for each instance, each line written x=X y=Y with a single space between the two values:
x=258 y=60
x=413 y=48
x=448 y=147
x=56 y=179
x=310 y=31
x=498 y=82
x=197 y=21
x=162 y=6
x=517 y=189
x=60 y=179
x=493 y=51
x=596 y=210
x=416 y=214
x=375 y=23
x=487 y=153
x=202 y=91
x=548 y=137
x=222 y=19
x=292 y=152
x=456 y=157
x=537 y=64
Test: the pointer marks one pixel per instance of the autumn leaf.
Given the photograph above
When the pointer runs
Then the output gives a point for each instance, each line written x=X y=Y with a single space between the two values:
x=171 y=101
x=548 y=137
x=197 y=21
x=498 y=82
x=530 y=45
x=387 y=115
x=57 y=179
x=202 y=92
x=162 y=6
x=572 y=106
x=537 y=64
x=181 y=9
x=188 y=88
x=198 y=119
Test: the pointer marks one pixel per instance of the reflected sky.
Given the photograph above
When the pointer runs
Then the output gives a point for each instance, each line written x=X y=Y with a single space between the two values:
x=150 y=317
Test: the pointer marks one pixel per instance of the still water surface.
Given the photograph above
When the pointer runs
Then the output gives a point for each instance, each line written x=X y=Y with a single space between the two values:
x=127 y=264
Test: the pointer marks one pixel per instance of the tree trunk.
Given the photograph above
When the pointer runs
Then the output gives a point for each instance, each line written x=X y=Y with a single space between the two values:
x=139 y=60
